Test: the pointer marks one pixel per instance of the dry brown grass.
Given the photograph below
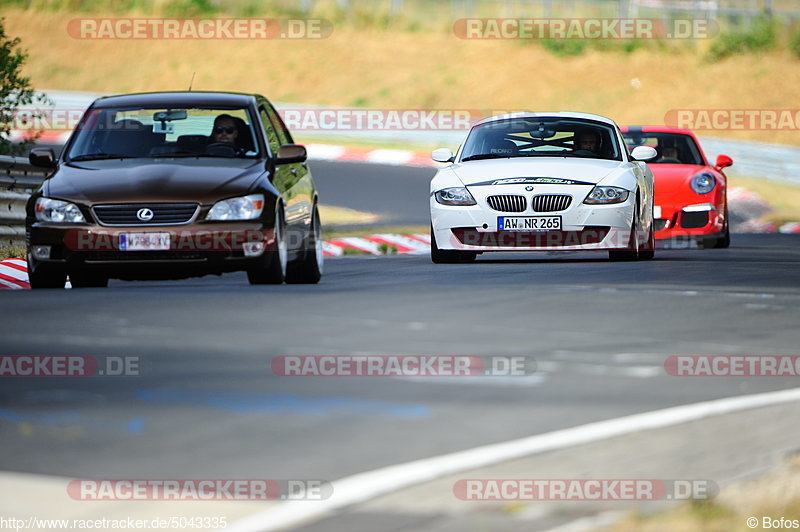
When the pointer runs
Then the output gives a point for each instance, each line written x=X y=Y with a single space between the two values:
x=416 y=70
x=784 y=199
x=773 y=495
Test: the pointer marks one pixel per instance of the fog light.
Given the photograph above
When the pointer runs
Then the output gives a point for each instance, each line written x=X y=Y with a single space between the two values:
x=41 y=252
x=253 y=249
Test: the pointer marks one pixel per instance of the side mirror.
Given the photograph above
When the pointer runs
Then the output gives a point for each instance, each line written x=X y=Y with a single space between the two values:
x=44 y=157
x=723 y=161
x=443 y=155
x=291 y=153
x=644 y=153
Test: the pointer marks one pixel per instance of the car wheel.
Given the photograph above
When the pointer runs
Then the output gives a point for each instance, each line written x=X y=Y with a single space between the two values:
x=46 y=276
x=720 y=242
x=271 y=268
x=446 y=256
x=648 y=251
x=632 y=251
x=88 y=280
x=308 y=268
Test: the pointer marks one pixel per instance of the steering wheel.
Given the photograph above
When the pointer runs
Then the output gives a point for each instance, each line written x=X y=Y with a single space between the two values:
x=224 y=149
x=584 y=153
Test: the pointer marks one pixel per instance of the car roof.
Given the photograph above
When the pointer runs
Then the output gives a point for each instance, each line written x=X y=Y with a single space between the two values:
x=176 y=98
x=557 y=114
x=656 y=129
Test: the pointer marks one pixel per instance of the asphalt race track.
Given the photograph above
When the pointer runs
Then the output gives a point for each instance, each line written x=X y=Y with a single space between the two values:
x=206 y=403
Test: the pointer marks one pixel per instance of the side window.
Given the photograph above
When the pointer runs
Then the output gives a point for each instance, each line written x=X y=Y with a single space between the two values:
x=283 y=132
x=269 y=131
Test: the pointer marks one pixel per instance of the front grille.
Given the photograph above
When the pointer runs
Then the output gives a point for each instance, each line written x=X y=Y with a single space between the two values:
x=694 y=220
x=163 y=213
x=550 y=202
x=507 y=203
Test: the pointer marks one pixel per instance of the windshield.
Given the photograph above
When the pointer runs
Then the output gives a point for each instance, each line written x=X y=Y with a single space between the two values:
x=174 y=132
x=543 y=137
x=672 y=148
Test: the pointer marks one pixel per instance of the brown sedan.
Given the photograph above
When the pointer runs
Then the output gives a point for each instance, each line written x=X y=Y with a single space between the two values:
x=171 y=185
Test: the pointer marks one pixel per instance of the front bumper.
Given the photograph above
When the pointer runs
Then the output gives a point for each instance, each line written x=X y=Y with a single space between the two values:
x=682 y=219
x=194 y=249
x=583 y=227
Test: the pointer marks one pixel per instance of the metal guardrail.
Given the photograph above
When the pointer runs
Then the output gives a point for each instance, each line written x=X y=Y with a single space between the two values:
x=17 y=179
x=18 y=173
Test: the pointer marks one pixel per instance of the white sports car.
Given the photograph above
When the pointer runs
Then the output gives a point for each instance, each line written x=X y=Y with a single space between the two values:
x=542 y=182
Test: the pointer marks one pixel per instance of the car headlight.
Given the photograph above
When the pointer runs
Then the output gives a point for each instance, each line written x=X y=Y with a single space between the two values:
x=703 y=183
x=454 y=196
x=53 y=210
x=606 y=195
x=241 y=208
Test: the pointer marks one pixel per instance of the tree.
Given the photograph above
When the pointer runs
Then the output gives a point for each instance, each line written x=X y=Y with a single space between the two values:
x=15 y=92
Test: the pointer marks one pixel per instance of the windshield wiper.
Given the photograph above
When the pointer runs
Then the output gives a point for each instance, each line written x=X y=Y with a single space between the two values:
x=485 y=156
x=97 y=156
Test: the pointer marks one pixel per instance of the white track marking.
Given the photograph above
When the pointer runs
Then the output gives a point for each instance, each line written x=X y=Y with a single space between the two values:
x=362 y=487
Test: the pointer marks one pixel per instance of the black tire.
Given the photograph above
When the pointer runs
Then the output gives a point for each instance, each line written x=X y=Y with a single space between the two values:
x=446 y=256
x=271 y=266
x=720 y=242
x=88 y=280
x=45 y=276
x=648 y=251
x=630 y=253
x=307 y=269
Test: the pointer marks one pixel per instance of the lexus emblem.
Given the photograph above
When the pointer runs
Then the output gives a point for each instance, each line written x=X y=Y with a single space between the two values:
x=529 y=188
x=145 y=214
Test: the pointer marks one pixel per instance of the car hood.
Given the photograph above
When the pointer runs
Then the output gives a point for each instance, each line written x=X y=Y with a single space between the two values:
x=590 y=171
x=675 y=177
x=143 y=180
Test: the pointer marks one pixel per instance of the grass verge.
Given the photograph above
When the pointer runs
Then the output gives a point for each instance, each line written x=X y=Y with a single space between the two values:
x=330 y=214
x=784 y=199
x=388 y=71
x=11 y=252
x=774 y=496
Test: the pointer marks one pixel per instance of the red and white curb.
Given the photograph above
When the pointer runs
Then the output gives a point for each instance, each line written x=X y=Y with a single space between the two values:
x=14 y=272
x=416 y=244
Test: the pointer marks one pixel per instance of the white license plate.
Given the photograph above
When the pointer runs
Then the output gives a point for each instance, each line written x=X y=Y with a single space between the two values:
x=144 y=241
x=529 y=223
x=657 y=211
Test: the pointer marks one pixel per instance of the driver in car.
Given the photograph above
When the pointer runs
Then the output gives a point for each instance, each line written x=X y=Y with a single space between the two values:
x=587 y=141
x=225 y=130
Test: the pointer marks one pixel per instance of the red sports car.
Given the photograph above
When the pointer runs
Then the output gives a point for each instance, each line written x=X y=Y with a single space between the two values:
x=690 y=194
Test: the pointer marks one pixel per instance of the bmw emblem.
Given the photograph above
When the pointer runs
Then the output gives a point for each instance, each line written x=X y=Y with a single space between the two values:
x=529 y=188
x=145 y=214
